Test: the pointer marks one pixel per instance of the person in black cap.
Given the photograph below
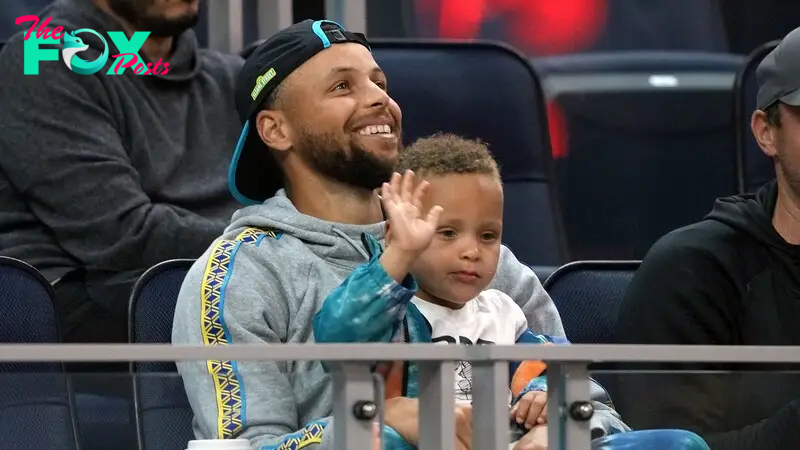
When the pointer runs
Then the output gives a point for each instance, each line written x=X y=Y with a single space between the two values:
x=320 y=134
x=731 y=279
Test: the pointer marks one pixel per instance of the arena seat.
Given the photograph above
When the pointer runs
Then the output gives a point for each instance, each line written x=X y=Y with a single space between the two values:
x=163 y=414
x=36 y=410
x=487 y=91
x=588 y=295
x=646 y=144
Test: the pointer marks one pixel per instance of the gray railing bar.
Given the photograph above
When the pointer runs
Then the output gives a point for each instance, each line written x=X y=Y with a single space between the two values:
x=575 y=391
x=490 y=405
x=394 y=352
x=555 y=405
x=436 y=405
x=354 y=407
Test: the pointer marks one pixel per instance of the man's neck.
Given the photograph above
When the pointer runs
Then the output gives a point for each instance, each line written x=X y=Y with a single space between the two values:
x=786 y=218
x=154 y=48
x=335 y=202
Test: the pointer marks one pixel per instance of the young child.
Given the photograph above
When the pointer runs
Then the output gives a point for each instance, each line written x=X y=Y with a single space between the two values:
x=432 y=282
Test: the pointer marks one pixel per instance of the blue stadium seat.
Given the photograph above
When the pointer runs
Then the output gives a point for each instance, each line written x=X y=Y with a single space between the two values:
x=648 y=145
x=35 y=404
x=487 y=91
x=754 y=167
x=588 y=295
x=104 y=420
x=163 y=413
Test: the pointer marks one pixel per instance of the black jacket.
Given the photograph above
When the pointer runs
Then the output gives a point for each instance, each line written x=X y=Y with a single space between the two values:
x=113 y=173
x=728 y=280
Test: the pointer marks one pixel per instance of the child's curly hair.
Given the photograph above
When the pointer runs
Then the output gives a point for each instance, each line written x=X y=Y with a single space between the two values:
x=446 y=154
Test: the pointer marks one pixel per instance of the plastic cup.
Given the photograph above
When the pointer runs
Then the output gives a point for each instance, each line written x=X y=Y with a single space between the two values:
x=219 y=444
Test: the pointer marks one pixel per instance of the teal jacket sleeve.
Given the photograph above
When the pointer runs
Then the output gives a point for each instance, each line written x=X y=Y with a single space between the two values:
x=368 y=306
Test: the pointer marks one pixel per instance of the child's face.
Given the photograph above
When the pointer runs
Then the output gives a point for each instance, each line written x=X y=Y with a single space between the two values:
x=462 y=259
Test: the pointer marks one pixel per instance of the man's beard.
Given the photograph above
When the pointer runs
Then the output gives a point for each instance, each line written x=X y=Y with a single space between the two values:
x=136 y=13
x=355 y=166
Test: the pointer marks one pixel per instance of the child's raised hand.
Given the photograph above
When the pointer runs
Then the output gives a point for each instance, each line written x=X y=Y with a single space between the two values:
x=411 y=231
x=530 y=410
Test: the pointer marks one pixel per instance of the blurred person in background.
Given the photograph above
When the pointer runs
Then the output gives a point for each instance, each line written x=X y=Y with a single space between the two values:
x=731 y=279
x=103 y=176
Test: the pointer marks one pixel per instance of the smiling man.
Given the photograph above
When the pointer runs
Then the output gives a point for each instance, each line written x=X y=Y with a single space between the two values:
x=320 y=135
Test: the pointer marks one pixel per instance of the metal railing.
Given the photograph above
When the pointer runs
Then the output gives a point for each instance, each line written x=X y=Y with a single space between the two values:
x=567 y=378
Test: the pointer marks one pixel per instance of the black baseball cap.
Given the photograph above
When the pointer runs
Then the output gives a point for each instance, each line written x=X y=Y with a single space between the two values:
x=778 y=74
x=254 y=175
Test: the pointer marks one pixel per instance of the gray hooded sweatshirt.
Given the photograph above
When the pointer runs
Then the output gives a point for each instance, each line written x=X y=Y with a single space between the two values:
x=261 y=283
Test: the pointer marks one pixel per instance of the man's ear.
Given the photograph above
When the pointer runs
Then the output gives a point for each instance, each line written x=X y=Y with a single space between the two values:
x=764 y=133
x=274 y=130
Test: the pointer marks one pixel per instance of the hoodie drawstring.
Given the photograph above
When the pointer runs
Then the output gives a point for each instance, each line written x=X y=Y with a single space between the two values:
x=353 y=243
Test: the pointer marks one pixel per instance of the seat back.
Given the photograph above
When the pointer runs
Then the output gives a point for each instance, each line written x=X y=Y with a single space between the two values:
x=36 y=409
x=588 y=295
x=163 y=413
x=487 y=91
x=647 y=145
x=754 y=168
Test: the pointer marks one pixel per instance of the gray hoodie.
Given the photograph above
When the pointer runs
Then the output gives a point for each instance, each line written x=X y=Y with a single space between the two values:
x=261 y=283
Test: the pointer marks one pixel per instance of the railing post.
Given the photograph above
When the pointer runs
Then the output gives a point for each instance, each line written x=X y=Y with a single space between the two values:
x=490 y=413
x=436 y=405
x=568 y=388
x=354 y=406
x=225 y=32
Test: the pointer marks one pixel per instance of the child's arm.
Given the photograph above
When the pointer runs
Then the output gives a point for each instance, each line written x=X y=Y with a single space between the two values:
x=370 y=303
x=368 y=306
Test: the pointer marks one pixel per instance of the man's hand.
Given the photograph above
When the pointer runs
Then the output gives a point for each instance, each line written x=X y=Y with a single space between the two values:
x=530 y=410
x=411 y=232
x=402 y=414
x=535 y=439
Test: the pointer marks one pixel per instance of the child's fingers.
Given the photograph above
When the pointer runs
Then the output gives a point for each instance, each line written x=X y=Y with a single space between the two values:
x=537 y=405
x=386 y=192
x=433 y=215
x=407 y=189
x=523 y=405
x=394 y=181
x=419 y=192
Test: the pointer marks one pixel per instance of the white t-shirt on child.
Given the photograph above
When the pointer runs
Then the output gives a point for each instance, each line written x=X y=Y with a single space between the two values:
x=490 y=318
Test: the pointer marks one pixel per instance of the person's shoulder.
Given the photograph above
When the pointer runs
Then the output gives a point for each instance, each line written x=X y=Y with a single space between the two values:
x=12 y=57
x=248 y=256
x=706 y=239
